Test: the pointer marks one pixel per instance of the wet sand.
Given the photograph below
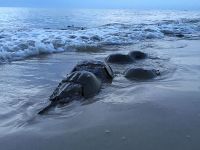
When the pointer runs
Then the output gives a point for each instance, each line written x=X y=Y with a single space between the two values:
x=158 y=114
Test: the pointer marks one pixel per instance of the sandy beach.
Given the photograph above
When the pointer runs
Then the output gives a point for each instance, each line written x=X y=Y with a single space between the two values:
x=162 y=113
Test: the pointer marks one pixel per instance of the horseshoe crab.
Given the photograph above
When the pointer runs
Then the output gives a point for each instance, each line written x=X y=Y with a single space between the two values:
x=77 y=85
x=101 y=69
x=138 y=55
x=119 y=59
x=141 y=74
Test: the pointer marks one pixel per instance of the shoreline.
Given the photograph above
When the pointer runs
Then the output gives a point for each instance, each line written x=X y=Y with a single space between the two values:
x=162 y=114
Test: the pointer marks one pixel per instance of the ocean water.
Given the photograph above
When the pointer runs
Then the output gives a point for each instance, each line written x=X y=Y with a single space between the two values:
x=39 y=47
x=26 y=32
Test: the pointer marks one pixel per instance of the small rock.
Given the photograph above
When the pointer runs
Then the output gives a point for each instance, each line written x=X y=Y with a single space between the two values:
x=107 y=131
x=188 y=136
x=123 y=138
x=95 y=38
x=179 y=35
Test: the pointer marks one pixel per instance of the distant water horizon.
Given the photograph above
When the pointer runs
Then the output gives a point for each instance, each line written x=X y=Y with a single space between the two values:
x=101 y=8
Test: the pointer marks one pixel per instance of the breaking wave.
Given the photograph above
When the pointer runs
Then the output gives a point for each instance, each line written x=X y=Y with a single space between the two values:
x=17 y=44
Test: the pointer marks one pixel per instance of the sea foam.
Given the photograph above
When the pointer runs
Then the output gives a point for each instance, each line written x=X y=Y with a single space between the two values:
x=17 y=44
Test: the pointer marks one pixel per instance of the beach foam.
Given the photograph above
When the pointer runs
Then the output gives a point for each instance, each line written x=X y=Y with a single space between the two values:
x=17 y=44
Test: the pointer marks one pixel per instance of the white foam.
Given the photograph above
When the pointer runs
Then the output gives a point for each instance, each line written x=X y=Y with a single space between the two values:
x=20 y=44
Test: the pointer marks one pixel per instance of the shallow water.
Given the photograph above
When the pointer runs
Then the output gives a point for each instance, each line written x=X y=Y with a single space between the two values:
x=162 y=113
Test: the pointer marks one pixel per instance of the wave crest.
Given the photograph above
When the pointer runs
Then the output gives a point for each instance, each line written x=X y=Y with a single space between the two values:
x=23 y=43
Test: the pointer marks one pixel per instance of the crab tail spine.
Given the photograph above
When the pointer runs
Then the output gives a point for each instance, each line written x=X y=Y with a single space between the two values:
x=47 y=108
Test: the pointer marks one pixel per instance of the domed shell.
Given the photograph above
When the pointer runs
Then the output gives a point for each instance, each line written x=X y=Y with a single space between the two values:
x=141 y=74
x=138 y=55
x=77 y=85
x=119 y=59
x=66 y=90
x=101 y=69
x=90 y=84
